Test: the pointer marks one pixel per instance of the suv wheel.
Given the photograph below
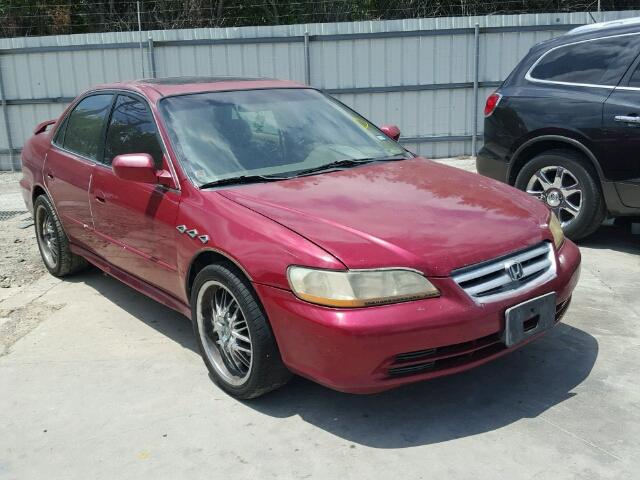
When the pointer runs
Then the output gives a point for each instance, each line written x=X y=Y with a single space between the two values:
x=52 y=240
x=568 y=186
x=234 y=337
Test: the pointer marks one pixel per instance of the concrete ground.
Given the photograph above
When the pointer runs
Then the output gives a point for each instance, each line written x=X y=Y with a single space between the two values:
x=99 y=382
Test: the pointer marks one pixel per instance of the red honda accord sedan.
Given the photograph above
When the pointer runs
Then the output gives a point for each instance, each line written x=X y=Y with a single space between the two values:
x=296 y=235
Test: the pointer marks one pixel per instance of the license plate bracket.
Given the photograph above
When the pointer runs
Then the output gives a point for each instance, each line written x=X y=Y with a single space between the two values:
x=529 y=318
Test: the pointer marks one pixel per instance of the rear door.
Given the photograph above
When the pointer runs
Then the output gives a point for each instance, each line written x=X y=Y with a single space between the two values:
x=68 y=166
x=574 y=81
x=136 y=221
x=621 y=121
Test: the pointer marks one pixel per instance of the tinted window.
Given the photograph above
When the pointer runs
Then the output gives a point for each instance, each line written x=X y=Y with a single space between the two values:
x=84 y=126
x=599 y=62
x=131 y=130
x=59 y=138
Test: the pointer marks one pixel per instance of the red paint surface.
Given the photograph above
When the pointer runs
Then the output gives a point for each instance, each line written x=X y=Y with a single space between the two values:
x=412 y=213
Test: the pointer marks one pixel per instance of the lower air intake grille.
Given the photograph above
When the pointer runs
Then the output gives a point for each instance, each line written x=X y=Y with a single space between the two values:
x=450 y=356
x=441 y=358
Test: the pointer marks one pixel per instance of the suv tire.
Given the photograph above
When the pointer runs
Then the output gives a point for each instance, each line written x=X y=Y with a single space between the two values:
x=537 y=178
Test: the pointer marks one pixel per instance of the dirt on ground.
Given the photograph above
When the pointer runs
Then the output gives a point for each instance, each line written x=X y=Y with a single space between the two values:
x=16 y=323
x=21 y=268
x=20 y=262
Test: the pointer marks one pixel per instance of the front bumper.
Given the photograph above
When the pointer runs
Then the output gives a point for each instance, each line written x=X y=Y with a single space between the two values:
x=367 y=350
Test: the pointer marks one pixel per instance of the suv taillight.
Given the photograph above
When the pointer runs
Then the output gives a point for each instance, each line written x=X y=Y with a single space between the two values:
x=492 y=103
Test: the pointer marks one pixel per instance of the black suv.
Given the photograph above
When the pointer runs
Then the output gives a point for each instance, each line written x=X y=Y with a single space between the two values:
x=565 y=125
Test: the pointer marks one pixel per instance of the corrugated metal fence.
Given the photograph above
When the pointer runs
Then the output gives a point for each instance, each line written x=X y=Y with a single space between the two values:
x=429 y=76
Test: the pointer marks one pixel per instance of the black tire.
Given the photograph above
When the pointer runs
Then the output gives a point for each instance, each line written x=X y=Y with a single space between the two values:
x=593 y=208
x=65 y=263
x=266 y=372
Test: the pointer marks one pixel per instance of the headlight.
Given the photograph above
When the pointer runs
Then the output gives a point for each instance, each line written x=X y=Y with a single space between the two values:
x=556 y=230
x=359 y=288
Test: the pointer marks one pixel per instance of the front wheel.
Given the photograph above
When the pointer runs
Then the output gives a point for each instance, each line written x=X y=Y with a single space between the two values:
x=566 y=184
x=234 y=337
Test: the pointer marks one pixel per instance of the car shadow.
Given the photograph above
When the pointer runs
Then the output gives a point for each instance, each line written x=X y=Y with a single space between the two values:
x=521 y=385
x=613 y=237
x=518 y=386
x=170 y=323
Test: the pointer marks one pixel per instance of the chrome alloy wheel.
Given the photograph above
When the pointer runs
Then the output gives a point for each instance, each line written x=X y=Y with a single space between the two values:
x=560 y=190
x=47 y=238
x=224 y=333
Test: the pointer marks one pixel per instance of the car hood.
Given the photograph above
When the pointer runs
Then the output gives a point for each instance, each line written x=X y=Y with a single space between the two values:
x=413 y=213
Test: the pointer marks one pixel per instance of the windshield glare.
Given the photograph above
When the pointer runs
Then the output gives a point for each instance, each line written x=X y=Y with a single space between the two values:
x=220 y=135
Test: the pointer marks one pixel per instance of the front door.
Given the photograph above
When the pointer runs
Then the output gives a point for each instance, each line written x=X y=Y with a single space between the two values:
x=621 y=122
x=136 y=221
x=69 y=165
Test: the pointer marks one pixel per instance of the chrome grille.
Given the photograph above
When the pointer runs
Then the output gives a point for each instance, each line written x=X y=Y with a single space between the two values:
x=490 y=281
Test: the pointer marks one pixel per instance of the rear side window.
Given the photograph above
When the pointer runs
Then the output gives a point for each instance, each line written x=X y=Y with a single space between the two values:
x=596 y=62
x=131 y=130
x=84 y=126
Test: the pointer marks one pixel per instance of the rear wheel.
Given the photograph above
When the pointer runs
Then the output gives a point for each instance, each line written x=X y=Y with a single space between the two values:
x=52 y=240
x=568 y=186
x=234 y=337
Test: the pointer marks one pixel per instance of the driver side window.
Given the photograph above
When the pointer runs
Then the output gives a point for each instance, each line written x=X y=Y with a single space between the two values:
x=132 y=130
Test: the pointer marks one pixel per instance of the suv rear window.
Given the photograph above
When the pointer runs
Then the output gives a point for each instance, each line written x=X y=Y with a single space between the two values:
x=596 y=62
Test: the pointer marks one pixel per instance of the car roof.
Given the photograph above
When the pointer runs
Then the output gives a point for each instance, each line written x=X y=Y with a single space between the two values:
x=156 y=88
x=606 y=28
x=590 y=32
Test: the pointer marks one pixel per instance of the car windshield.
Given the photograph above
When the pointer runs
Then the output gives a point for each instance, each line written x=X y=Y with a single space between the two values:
x=268 y=133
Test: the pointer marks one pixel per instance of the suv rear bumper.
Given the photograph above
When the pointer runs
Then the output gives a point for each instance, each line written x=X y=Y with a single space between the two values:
x=492 y=165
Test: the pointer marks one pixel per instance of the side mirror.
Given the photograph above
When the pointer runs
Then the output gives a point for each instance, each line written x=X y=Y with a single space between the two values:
x=137 y=167
x=391 y=131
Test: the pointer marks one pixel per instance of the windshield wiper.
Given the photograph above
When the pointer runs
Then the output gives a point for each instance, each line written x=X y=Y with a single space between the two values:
x=239 y=180
x=346 y=163
x=269 y=178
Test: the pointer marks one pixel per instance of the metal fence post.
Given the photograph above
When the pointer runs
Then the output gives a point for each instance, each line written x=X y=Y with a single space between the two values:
x=7 y=127
x=307 y=60
x=152 y=58
x=476 y=74
x=140 y=39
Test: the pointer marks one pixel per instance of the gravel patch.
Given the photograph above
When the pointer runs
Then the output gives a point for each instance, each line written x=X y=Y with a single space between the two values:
x=15 y=324
x=20 y=262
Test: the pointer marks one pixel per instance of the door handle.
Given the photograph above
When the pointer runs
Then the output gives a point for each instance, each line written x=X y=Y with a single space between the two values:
x=100 y=197
x=627 y=119
x=49 y=175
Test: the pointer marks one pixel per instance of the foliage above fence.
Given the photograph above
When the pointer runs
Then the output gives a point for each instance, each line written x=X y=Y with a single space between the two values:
x=36 y=17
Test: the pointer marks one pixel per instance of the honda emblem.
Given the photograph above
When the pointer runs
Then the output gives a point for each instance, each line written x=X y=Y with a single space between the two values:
x=515 y=271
